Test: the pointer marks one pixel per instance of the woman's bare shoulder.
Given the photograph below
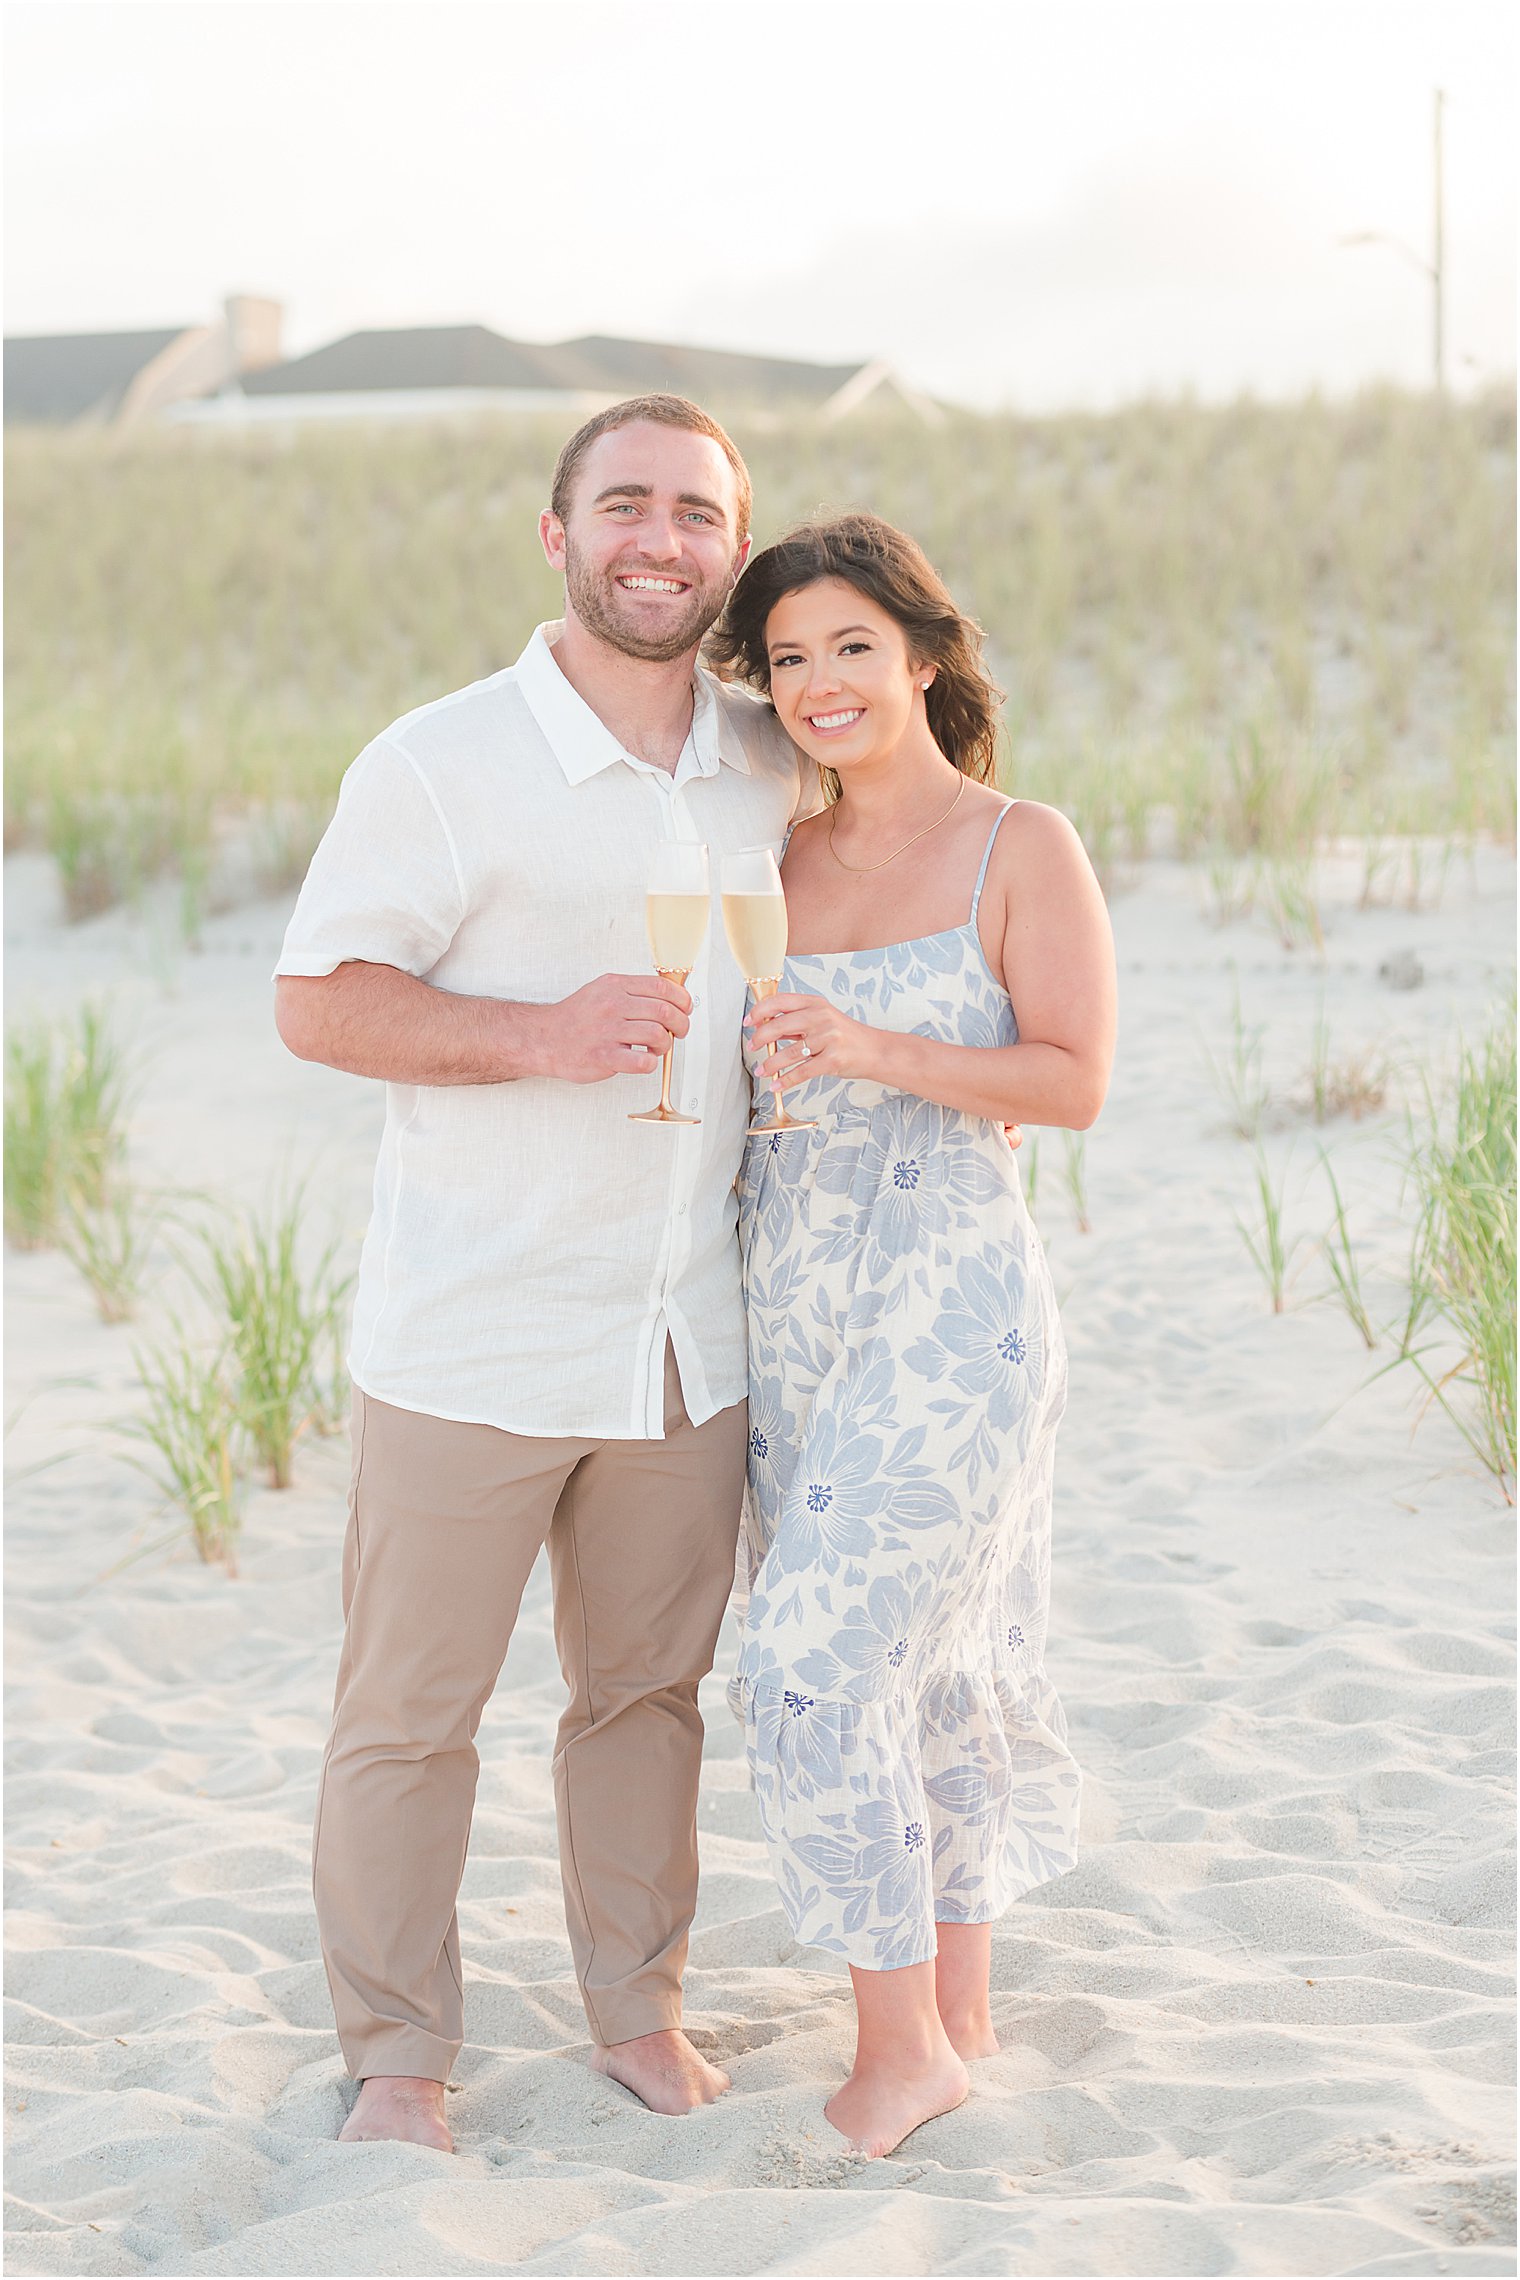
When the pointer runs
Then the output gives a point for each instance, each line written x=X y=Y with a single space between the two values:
x=1039 y=824
x=1038 y=855
x=1037 y=833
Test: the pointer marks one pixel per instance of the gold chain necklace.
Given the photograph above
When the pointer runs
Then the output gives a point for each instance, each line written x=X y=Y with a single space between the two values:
x=862 y=868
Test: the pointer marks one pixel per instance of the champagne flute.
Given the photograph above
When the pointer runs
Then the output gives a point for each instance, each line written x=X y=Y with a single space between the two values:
x=754 y=919
x=677 y=907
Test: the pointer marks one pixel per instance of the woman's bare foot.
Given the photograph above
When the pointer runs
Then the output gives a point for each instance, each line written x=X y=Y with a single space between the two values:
x=663 y=2070
x=878 y=2108
x=399 y=2106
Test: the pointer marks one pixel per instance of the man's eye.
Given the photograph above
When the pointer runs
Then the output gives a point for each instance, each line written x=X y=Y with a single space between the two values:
x=697 y=515
x=622 y=507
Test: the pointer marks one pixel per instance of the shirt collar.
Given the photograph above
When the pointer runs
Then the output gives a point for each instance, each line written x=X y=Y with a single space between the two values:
x=584 y=745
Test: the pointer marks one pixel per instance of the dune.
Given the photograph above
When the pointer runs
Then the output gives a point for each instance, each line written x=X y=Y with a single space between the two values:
x=1264 y=2027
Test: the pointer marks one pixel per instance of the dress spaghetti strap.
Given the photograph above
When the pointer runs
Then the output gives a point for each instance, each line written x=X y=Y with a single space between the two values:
x=981 y=876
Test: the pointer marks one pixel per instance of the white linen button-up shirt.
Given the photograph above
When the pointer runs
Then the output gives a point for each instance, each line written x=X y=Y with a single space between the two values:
x=530 y=1249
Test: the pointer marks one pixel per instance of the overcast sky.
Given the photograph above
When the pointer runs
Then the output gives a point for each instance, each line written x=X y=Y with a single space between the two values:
x=1064 y=202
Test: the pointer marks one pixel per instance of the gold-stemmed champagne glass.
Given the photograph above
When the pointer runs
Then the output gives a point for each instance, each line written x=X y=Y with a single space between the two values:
x=754 y=919
x=677 y=907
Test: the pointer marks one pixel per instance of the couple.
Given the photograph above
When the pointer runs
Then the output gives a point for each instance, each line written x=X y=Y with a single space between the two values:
x=550 y=1339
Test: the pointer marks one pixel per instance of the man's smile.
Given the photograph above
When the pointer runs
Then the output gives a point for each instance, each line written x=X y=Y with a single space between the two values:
x=646 y=582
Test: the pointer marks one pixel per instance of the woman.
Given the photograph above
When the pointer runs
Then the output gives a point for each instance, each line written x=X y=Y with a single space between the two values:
x=950 y=971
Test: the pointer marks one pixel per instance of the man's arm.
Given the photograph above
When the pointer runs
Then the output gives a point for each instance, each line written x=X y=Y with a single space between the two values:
x=375 y=1021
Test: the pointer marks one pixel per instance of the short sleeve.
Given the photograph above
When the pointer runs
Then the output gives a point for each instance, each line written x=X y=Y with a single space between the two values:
x=385 y=883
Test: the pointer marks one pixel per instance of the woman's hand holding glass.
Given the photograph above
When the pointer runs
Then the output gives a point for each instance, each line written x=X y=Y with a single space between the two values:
x=809 y=1037
x=754 y=919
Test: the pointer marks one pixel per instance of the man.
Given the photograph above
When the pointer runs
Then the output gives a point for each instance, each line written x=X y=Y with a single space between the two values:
x=548 y=1336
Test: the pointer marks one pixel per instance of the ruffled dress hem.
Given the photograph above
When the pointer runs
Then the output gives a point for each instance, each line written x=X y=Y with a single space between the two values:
x=878 y=1806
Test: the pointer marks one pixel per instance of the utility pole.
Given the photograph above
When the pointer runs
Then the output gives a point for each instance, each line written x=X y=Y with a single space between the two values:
x=1438 y=265
x=1435 y=267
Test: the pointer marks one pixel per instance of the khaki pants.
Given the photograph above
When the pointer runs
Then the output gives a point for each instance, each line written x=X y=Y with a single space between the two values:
x=445 y=1522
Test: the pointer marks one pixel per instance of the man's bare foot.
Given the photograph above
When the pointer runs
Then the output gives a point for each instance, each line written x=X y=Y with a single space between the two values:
x=399 y=2106
x=877 y=2110
x=971 y=2038
x=663 y=2070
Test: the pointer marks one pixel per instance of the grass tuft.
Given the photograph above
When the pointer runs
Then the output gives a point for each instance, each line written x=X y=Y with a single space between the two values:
x=1237 y=1076
x=1462 y=1269
x=1353 y=1082
x=1074 y=1177
x=1231 y=889
x=1340 y=1256
x=1285 y=894
x=193 y=1425
x=110 y=1241
x=65 y=1108
x=109 y=845
x=1267 y=1242
x=279 y=1318
x=284 y=841
x=33 y=1140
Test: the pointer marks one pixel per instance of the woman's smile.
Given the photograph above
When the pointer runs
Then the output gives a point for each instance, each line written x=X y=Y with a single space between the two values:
x=835 y=723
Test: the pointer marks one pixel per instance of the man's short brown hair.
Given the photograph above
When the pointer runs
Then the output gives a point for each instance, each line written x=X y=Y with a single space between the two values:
x=664 y=411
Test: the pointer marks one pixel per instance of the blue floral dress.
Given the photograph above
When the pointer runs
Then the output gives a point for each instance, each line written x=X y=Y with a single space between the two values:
x=907 y=1376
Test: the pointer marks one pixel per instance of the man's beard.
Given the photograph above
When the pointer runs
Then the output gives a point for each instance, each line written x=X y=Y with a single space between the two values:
x=613 y=617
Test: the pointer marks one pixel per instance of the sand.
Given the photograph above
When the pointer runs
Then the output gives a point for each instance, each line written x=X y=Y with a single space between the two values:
x=1262 y=2028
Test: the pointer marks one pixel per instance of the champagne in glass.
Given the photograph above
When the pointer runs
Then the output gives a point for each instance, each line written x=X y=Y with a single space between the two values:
x=754 y=919
x=677 y=908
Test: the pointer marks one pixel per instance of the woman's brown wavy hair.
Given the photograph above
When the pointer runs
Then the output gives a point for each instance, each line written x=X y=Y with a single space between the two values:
x=890 y=569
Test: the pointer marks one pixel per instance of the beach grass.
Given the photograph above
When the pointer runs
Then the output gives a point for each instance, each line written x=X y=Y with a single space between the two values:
x=1350 y=1081
x=1462 y=1270
x=1031 y=1157
x=1285 y=895
x=1074 y=1178
x=1229 y=630
x=279 y=1316
x=193 y=1425
x=332 y=1388
x=1236 y=1073
x=1229 y=888
x=65 y=1110
x=283 y=840
x=110 y=1240
x=110 y=844
x=33 y=1139
x=1340 y=1255
x=1266 y=1239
